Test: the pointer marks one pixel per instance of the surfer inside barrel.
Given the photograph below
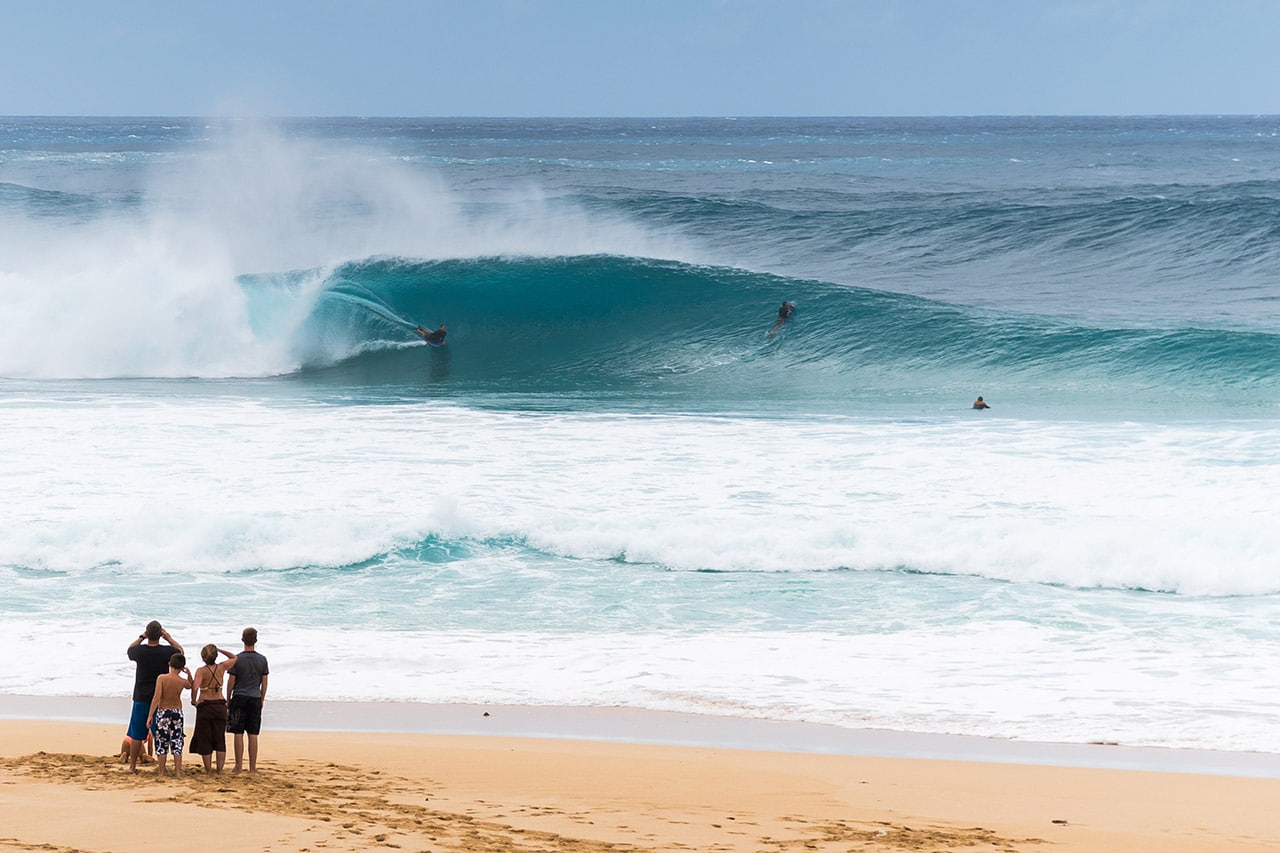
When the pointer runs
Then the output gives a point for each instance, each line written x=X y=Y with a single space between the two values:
x=784 y=314
x=436 y=338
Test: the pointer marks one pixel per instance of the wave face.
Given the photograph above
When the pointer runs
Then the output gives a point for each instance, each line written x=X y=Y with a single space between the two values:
x=1156 y=254
x=657 y=330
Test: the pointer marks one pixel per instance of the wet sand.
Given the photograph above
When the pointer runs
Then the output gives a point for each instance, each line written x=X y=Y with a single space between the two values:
x=615 y=787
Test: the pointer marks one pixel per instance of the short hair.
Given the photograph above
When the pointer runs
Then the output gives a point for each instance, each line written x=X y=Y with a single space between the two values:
x=209 y=653
x=154 y=630
x=177 y=660
x=249 y=636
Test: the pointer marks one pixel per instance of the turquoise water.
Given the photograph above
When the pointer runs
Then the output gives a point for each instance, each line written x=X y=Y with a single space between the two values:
x=612 y=487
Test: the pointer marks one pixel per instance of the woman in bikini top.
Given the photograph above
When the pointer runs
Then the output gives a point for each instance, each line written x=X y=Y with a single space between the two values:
x=209 y=677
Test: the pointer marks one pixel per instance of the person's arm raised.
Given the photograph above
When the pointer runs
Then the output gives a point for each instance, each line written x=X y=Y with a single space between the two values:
x=171 y=641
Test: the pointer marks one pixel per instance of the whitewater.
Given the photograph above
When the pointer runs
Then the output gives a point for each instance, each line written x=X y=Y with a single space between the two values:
x=612 y=487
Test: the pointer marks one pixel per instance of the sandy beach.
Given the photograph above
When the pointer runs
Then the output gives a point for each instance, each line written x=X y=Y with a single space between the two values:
x=63 y=789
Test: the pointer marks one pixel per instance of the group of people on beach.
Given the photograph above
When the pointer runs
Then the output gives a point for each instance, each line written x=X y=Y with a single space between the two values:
x=160 y=679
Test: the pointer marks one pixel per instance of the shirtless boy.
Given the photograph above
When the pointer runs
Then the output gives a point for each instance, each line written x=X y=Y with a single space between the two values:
x=166 y=713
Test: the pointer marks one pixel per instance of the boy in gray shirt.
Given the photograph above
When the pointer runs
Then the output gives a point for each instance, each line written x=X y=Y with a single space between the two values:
x=247 y=686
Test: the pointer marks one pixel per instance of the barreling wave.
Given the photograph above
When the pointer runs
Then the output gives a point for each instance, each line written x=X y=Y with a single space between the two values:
x=605 y=324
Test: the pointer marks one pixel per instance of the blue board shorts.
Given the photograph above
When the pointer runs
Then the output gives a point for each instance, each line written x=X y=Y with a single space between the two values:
x=138 y=722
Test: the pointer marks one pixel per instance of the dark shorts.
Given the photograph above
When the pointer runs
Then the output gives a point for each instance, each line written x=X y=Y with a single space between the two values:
x=245 y=715
x=210 y=732
x=138 y=722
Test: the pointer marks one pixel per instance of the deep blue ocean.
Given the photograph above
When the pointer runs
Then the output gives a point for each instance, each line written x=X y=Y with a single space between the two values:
x=612 y=486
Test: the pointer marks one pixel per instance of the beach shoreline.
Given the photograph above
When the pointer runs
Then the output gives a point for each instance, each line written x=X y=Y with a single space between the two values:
x=666 y=728
x=62 y=787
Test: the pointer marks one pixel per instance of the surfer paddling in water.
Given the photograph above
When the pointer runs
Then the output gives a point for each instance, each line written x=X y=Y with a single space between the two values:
x=784 y=314
x=436 y=338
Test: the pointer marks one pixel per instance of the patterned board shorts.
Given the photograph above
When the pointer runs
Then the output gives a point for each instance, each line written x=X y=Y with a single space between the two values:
x=168 y=732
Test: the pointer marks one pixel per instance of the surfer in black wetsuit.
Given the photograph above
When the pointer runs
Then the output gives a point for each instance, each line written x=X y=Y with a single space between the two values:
x=784 y=314
x=436 y=337
x=980 y=403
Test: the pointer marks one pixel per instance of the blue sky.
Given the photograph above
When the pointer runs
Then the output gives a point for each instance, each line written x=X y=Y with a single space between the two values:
x=639 y=57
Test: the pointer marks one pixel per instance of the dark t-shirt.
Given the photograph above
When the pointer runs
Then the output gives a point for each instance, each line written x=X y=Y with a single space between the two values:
x=153 y=662
x=248 y=670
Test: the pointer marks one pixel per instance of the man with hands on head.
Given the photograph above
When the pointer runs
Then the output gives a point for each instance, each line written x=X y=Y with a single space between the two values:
x=152 y=660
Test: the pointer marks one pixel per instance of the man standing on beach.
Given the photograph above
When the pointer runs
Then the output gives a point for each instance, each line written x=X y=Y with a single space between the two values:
x=247 y=687
x=152 y=659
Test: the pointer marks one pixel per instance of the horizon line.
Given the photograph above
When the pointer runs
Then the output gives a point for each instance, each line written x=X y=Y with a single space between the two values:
x=568 y=117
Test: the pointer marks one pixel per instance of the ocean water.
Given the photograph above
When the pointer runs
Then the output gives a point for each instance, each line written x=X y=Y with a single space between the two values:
x=612 y=487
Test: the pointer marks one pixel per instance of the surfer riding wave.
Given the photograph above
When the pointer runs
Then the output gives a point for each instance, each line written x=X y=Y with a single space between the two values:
x=436 y=338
